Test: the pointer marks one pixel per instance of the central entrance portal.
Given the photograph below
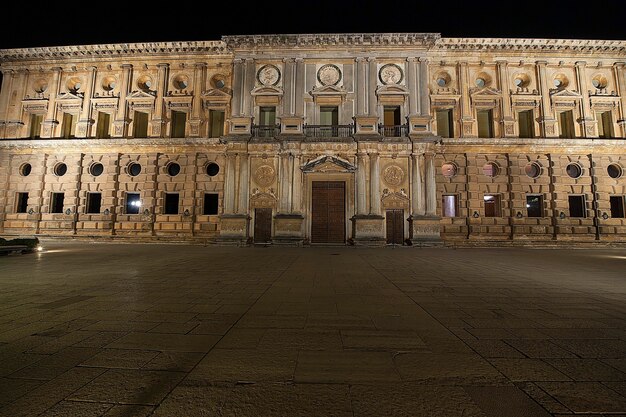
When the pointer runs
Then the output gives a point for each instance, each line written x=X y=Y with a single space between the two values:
x=328 y=218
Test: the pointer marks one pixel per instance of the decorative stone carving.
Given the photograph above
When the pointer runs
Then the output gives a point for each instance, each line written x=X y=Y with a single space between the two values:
x=265 y=175
x=329 y=74
x=390 y=74
x=393 y=175
x=268 y=75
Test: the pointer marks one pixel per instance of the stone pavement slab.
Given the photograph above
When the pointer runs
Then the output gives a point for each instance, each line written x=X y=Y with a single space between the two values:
x=110 y=329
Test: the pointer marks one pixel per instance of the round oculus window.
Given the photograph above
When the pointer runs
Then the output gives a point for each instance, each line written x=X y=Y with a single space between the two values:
x=491 y=169
x=96 y=169
x=574 y=170
x=212 y=169
x=134 y=169
x=25 y=170
x=60 y=169
x=533 y=170
x=449 y=170
x=173 y=169
x=614 y=171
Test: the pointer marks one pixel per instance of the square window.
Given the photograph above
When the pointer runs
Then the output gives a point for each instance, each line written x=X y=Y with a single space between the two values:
x=492 y=205
x=450 y=206
x=445 y=123
x=94 y=201
x=210 y=204
x=171 y=203
x=133 y=203
x=534 y=205
x=617 y=206
x=56 y=202
x=21 y=203
x=577 y=206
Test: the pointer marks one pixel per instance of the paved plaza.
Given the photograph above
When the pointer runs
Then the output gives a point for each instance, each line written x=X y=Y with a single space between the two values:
x=111 y=329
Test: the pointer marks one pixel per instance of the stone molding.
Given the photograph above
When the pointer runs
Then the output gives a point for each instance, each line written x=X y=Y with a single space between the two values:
x=534 y=45
x=332 y=39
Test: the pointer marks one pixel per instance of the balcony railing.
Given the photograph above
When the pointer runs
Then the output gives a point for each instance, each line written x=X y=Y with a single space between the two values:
x=332 y=131
x=393 y=131
x=265 y=131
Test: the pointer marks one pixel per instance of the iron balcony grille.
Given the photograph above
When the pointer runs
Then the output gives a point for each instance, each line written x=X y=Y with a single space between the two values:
x=393 y=131
x=326 y=131
x=265 y=131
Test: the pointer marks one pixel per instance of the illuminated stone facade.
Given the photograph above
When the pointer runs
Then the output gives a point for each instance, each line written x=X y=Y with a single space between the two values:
x=294 y=139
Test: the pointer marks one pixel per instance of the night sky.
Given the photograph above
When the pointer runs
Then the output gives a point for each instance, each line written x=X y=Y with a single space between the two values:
x=178 y=21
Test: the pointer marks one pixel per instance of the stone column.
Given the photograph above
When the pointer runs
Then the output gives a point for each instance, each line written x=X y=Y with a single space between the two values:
x=467 y=117
x=620 y=76
x=361 y=86
x=412 y=80
x=424 y=106
x=371 y=87
x=7 y=81
x=431 y=185
x=248 y=85
x=299 y=89
x=49 y=124
x=195 y=119
x=158 y=121
x=237 y=86
x=244 y=181
x=548 y=122
x=121 y=116
x=508 y=120
x=296 y=193
x=85 y=121
x=289 y=87
x=374 y=184
x=229 y=186
x=417 y=190
x=285 y=183
x=588 y=123
x=361 y=182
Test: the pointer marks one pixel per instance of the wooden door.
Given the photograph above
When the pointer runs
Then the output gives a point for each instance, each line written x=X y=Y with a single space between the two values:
x=395 y=226
x=262 y=225
x=328 y=224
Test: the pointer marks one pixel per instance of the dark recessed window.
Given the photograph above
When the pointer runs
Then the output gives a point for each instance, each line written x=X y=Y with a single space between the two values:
x=134 y=169
x=25 y=170
x=56 y=202
x=173 y=169
x=212 y=169
x=617 y=206
x=21 y=203
x=534 y=205
x=171 y=203
x=445 y=123
x=533 y=170
x=133 y=203
x=60 y=169
x=577 y=206
x=210 y=204
x=96 y=169
x=94 y=201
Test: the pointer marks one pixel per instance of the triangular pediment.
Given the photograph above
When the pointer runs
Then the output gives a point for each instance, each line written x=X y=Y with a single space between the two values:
x=267 y=90
x=69 y=96
x=486 y=92
x=214 y=93
x=139 y=94
x=392 y=89
x=328 y=163
x=395 y=200
x=328 y=90
x=564 y=93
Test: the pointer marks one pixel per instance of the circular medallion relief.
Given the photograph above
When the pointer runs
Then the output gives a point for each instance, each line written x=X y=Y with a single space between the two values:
x=390 y=74
x=393 y=175
x=329 y=74
x=265 y=175
x=268 y=75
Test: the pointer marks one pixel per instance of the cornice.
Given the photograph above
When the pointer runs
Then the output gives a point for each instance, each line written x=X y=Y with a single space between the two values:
x=114 y=50
x=423 y=40
x=531 y=45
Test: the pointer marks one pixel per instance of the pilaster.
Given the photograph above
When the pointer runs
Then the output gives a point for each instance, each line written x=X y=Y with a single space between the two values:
x=195 y=119
x=547 y=120
x=85 y=120
x=49 y=124
x=588 y=124
x=620 y=75
x=120 y=124
x=467 y=118
x=507 y=114
x=158 y=121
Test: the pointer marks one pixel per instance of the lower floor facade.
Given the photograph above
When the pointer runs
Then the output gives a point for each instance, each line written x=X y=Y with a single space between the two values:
x=420 y=192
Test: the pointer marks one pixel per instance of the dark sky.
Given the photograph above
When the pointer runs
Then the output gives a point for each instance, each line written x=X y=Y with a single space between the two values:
x=182 y=21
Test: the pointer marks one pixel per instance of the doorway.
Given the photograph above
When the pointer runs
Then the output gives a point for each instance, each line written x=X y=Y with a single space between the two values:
x=395 y=226
x=328 y=224
x=262 y=225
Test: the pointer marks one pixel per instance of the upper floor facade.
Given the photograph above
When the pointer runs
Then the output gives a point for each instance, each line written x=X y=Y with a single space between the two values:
x=326 y=87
